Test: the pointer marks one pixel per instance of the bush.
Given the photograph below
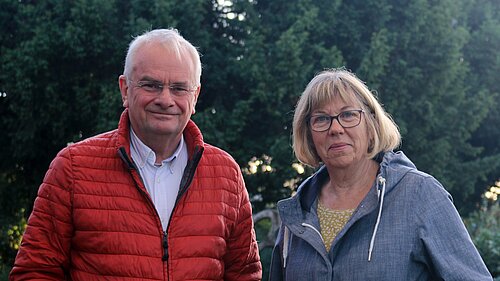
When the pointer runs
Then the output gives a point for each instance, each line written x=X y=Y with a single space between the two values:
x=10 y=239
x=484 y=228
x=4 y=272
x=262 y=229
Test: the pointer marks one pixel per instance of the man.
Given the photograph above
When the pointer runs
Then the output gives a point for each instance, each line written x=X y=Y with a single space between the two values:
x=150 y=200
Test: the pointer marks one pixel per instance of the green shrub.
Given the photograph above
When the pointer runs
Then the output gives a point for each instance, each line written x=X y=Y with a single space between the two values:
x=484 y=228
x=10 y=238
x=262 y=229
x=4 y=272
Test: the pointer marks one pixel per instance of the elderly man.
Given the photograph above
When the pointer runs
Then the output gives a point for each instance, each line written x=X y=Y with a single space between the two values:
x=149 y=200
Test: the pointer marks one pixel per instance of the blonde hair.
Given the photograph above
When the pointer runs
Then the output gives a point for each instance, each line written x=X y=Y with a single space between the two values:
x=321 y=90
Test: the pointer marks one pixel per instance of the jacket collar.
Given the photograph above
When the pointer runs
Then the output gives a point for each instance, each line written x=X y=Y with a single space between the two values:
x=298 y=208
x=192 y=135
x=311 y=188
x=393 y=167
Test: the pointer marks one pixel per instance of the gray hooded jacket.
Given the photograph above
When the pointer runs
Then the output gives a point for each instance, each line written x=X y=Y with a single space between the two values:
x=406 y=228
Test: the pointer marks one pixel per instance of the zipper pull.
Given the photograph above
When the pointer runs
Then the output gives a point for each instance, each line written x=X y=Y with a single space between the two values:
x=165 y=246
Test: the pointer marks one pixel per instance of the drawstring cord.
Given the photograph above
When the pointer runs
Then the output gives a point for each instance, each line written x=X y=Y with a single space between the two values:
x=313 y=228
x=380 y=195
x=286 y=237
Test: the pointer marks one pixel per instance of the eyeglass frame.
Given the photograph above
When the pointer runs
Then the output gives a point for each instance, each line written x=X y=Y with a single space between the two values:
x=174 y=88
x=335 y=117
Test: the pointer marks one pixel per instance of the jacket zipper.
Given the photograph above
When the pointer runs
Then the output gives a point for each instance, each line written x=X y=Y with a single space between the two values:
x=186 y=180
x=132 y=167
x=165 y=246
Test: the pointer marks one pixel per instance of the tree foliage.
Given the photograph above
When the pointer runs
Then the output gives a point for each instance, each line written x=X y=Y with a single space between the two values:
x=484 y=228
x=433 y=64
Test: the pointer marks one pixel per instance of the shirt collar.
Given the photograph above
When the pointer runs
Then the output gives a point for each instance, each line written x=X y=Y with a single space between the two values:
x=147 y=155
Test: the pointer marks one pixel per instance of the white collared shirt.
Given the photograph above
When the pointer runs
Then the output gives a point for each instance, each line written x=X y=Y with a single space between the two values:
x=162 y=181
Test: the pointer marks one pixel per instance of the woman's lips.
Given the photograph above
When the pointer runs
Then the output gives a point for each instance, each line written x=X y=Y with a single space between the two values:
x=338 y=146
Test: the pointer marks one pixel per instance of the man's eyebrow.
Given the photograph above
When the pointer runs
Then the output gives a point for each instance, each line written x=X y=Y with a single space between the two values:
x=179 y=83
x=149 y=79
x=175 y=83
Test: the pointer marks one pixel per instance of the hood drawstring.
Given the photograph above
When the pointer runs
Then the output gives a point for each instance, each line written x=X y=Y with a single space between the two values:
x=286 y=240
x=380 y=195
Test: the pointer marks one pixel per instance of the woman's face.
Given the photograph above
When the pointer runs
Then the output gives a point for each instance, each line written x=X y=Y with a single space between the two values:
x=340 y=147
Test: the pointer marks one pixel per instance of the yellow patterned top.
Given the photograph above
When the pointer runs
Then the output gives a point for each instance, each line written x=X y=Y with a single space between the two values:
x=331 y=222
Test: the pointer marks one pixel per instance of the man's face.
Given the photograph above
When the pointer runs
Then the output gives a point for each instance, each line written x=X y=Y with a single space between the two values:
x=156 y=114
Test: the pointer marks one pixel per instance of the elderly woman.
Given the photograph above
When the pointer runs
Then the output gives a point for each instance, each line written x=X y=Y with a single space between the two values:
x=367 y=213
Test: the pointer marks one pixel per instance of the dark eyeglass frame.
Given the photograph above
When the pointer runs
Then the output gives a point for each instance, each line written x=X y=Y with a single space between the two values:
x=156 y=87
x=338 y=117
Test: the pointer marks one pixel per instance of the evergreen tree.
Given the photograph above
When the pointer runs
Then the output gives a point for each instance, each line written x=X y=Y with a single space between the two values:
x=48 y=72
x=483 y=22
x=427 y=91
x=433 y=64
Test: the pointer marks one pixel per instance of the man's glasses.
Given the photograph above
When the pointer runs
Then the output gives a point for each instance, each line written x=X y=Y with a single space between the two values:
x=346 y=119
x=156 y=88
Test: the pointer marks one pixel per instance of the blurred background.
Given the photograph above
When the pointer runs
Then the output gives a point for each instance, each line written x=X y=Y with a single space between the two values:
x=434 y=64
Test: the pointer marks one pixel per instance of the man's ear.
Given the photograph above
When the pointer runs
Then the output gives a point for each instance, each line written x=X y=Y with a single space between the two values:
x=122 y=83
x=196 y=94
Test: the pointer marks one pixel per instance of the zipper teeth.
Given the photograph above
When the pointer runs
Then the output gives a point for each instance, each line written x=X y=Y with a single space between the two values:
x=313 y=228
x=191 y=168
x=133 y=169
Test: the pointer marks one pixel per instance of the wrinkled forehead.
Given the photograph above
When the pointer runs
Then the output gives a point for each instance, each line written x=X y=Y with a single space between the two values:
x=158 y=57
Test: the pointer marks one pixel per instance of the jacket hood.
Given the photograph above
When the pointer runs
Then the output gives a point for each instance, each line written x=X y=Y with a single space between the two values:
x=393 y=167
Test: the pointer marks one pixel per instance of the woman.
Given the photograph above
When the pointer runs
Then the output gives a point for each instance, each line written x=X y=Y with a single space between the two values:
x=367 y=213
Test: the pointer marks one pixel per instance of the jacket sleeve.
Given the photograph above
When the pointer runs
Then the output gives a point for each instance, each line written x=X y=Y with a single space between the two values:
x=45 y=247
x=242 y=258
x=448 y=248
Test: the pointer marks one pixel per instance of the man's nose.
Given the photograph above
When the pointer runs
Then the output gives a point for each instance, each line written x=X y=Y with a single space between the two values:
x=165 y=96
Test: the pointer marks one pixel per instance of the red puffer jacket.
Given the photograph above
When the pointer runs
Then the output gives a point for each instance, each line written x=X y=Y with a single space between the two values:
x=94 y=220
